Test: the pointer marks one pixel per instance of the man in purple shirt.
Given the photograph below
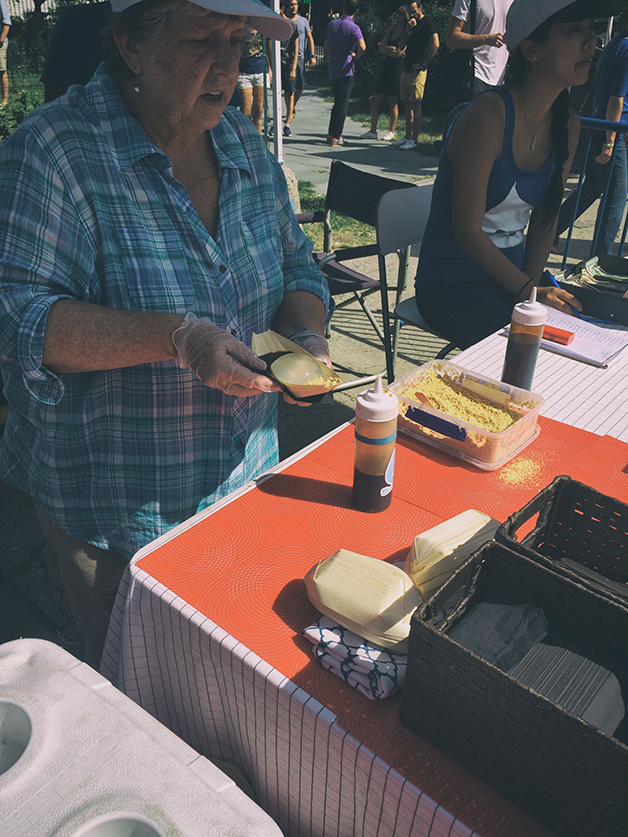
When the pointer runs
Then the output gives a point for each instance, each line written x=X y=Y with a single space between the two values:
x=344 y=44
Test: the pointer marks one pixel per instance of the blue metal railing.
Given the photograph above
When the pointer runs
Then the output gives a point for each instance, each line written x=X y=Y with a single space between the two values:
x=589 y=126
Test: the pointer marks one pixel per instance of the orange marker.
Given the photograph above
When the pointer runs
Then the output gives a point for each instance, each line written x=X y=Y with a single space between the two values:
x=558 y=335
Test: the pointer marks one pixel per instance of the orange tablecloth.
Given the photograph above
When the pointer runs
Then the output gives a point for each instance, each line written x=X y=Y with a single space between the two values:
x=242 y=567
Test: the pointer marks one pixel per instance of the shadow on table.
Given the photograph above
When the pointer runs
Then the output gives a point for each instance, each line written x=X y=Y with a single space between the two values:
x=308 y=490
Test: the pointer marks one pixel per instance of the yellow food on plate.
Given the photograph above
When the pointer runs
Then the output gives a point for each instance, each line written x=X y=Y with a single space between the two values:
x=319 y=381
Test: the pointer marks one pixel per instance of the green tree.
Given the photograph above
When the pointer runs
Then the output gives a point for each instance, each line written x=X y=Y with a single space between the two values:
x=374 y=19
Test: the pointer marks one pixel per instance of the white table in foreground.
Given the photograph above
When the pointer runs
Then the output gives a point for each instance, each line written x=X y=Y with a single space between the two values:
x=593 y=398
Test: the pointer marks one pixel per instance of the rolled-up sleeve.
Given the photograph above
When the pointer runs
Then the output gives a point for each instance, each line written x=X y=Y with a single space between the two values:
x=44 y=256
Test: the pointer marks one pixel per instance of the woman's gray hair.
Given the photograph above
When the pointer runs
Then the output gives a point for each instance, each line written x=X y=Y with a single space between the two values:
x=142 y=24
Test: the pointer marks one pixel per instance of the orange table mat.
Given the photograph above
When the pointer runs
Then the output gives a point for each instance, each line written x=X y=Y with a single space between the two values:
x=243 y=568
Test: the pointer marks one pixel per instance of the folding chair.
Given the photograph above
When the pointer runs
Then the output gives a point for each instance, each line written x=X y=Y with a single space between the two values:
x=401 y=222
x=356 y=194
x=417 y=207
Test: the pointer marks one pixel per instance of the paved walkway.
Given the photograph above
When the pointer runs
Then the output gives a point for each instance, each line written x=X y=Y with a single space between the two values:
x=307 y=154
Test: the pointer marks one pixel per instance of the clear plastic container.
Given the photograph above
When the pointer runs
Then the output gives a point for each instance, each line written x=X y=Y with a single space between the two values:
x=457 y=437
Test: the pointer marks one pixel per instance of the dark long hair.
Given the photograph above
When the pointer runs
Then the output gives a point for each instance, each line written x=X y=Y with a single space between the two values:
x=516 y=72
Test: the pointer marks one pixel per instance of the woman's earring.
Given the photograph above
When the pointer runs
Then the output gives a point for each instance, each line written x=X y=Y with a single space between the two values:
x=136 y=86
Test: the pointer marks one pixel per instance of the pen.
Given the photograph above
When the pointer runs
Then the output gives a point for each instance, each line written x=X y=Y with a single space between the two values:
x=547 y=275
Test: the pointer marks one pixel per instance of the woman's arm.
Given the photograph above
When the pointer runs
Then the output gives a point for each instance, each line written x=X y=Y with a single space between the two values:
x=82 y=337
x=386 y=48
x=474 y=146
x=299 y=310
x=539 y=239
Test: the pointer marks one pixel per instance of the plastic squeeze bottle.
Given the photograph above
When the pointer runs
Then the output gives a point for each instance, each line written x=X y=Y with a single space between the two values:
x=524 y=339
x=376 y=412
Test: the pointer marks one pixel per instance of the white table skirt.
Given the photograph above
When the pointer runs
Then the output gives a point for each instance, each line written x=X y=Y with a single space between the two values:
x=309 y=774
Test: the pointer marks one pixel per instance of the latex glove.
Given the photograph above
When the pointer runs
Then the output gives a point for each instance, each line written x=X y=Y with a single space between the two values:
x=314 y=343
x=219 y=359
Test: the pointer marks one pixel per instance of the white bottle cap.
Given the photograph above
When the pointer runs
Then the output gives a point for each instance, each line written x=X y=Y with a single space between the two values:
x=377 y=404
x=530 y=313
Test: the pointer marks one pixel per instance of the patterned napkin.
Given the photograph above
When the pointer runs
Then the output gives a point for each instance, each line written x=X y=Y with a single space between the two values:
x=372 y=670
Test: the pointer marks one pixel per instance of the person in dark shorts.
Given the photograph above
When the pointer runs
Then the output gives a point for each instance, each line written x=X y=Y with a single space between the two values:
x=390 y=76
x=306 y=39
x=289 y=58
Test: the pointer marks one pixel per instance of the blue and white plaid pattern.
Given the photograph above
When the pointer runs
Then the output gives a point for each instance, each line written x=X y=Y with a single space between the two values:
x=90 y=210
x=375 y=671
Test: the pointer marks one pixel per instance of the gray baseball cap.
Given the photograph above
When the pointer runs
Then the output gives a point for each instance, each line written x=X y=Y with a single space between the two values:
x=525 y=15
x=266 y=21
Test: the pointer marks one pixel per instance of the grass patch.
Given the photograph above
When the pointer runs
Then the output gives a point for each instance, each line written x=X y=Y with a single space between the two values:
x=346 y=232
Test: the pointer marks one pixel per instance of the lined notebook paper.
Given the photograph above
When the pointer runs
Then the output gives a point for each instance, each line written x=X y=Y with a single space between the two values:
x=591 y=343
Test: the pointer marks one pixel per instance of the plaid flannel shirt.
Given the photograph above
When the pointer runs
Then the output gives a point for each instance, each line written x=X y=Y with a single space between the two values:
x=90 y=211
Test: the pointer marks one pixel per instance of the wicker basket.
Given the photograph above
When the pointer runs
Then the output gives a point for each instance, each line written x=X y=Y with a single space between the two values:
x=569 y=775
x=584 y=534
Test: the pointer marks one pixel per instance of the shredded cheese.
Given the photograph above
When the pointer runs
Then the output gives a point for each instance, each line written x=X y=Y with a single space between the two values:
x=454 y=400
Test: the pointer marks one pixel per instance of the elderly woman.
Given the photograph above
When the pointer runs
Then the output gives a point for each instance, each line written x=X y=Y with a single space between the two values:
x=147 y=233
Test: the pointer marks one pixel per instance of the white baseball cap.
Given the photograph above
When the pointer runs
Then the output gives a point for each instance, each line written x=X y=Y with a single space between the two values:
x=524 y=16
x=266 y=21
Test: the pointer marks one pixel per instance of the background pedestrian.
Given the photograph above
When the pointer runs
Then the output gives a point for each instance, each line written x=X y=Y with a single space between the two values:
x=420 y=41
x=344 y=43
x=390 y=77
x=487 y=42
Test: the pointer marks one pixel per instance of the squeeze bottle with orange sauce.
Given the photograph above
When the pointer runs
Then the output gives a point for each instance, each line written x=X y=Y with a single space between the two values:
x=376 y=412
x=524 y=339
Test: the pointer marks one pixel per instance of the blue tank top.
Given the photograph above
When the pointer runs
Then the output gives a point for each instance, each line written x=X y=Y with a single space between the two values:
x=512 y=193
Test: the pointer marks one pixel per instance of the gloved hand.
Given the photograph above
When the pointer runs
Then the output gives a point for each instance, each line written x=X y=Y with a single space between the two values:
x=314 y=343
x=219 y=359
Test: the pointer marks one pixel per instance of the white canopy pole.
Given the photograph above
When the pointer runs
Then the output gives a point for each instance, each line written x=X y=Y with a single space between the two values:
x=276 y=94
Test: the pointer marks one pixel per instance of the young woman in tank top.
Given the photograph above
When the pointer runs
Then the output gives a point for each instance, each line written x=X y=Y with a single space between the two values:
x=503 y=169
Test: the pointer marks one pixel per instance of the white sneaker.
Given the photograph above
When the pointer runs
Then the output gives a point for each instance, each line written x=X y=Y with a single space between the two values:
x=401 y=142
x=407 y=145
x=389 y=135
x=369 y=135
